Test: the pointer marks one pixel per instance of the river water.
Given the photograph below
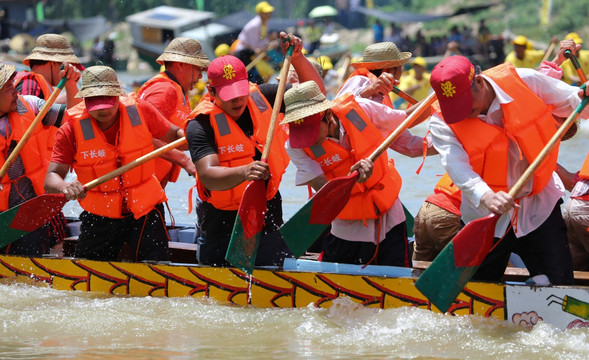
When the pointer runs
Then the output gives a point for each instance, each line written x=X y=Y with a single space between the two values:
x=41 y=323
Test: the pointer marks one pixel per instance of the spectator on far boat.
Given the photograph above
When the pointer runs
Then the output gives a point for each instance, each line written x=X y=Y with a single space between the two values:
x=107 y=130
x=378 y=31
x=570 y=74
x=523 y=54
x=487 y=136
x=324 y=144
x=184 y=61
x=374 y=78
x=313 y=32
x=240 y=111
x=253 y=39
x=24 y=178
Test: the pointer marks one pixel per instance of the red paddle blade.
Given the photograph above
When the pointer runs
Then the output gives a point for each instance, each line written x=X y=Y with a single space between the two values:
x=29 y=216
x=330 y=200
x=455 y=265
x=473 y=242
x=248 y=227
x=304 y=227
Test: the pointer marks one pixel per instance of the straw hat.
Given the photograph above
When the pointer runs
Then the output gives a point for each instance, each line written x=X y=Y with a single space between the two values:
x=382 y=55
x=6 y=72
x=100 y=81
x=315 y=64
x=184 y=50
x=52 y=47
x=304 y=100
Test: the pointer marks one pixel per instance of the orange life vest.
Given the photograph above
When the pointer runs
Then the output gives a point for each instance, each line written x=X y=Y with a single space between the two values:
x=374 y=197
x=138 y=189
x=47 y=90
x=236 y=149
x=446 y=186
x=527 y=121
x=34 y=154
x=386 y=99
x=182 y=110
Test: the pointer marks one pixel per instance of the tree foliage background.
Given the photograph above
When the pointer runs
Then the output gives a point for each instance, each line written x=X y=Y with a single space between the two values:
x=520 y=16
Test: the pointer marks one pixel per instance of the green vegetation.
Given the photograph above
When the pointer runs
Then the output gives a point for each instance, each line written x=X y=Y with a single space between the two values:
x=519 y=16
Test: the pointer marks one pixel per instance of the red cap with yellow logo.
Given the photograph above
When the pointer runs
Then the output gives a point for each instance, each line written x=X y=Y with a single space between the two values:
x=451 y=79
x=228 y=76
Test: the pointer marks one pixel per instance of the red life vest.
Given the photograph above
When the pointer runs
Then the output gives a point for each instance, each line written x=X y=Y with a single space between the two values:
x=138 y=189
x=527 y=121
x=47 y=90
x=374 y=197
x=236 y=149
x=180 y=115
x=34 y=154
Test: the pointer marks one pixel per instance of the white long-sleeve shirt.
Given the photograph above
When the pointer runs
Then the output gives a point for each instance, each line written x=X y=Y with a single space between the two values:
x=535 y=209
x=386 y=120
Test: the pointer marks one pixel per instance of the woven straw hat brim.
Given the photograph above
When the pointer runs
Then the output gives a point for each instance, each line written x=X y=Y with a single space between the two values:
x=6 y=72
x=305 y=108
x=192 y=60
x=101 y=90
x=375 y=65
x=51 y=55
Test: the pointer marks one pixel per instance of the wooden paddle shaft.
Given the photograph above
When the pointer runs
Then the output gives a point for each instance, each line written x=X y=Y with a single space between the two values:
x=133 y=164
x=403 y=95
x=344 y=69
x=23 y=141
x=256 y=60
x=549 y=51
x=521 y=182
x=568 y=54
x=276 y=106
x=403 y=126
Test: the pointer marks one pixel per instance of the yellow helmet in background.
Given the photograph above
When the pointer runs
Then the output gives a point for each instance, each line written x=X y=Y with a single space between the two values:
x=575 y=37
x=221 y=50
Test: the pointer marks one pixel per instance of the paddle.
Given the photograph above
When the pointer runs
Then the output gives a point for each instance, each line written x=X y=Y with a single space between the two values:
x=549 y=50
x=34 y=213
x=249 y=222
x=255 y=61
x=301 y=230
x=22 y=142
x=455 y=265
x=403 y=95
x=569 y=55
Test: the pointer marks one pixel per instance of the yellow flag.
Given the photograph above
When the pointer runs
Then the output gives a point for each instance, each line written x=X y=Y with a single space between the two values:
x=545 y=12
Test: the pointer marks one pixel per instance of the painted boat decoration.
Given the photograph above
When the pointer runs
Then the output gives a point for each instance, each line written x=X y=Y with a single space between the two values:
x=300 y=283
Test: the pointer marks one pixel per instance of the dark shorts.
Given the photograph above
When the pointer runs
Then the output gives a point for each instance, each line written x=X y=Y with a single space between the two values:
x=271 y=251
x=102 y=238
x=543 y=251
x=392 y=251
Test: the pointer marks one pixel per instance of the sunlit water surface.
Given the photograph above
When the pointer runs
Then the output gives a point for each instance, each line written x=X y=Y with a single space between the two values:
x=37 y=322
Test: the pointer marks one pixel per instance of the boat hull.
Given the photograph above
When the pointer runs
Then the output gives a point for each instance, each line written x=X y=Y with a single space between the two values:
x=564 y=307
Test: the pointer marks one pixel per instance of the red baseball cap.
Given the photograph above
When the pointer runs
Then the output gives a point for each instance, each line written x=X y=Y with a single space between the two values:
x=451 y=79
x=228 y=76
x=304 y=132
x=100 y=102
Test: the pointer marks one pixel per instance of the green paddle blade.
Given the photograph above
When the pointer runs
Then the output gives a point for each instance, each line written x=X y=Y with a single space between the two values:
x=299 y=233
x=409 y=220
x=29 y=216
x=444 y=280
x=242 y=250
x=455 y=265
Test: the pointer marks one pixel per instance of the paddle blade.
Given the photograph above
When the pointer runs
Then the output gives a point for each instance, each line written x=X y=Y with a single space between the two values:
x=304 y=227
x=242 y=250
x=248 y=227
x=455 y=265
x=29 y=216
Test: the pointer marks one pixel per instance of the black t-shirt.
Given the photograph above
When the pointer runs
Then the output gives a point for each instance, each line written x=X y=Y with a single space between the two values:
x=214 y=223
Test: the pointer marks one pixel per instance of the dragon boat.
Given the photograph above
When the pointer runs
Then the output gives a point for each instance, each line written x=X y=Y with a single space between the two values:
x=300 y=282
